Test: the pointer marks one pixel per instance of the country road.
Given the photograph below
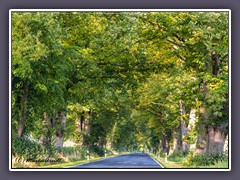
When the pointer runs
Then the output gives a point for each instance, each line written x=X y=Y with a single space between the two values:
x=134 y=160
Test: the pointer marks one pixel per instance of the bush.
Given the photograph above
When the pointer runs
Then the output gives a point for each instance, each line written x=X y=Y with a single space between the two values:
x=26 y=148
x=75 y=153
x=204 y=159
x=109 y=152
x=99 y=151
x=162 y=154
x=219 y=157
x=176 y=156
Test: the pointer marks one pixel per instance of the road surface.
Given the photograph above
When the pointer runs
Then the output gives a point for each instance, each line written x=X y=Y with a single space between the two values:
x=134 y=161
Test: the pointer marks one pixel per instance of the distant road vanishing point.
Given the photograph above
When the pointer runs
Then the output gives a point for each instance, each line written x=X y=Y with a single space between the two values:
x=129 y=161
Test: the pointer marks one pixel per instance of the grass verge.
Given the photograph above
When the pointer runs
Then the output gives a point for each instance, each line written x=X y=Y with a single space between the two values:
x=178 y=165
x=68 y=164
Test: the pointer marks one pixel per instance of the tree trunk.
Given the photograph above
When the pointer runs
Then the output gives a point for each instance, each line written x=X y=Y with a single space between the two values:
x=81 y=128
x=163 y=144
x=190 y=127
x=175 y=146
x=46 y=137
x=177 y=140
x=211 y=138
x=169 y=148
x=180 y=144
x=88 y=122
x=202 y=136
x=192 y=120
x=22 y=120
x=216 y=139
x=216 y=135
x=60 y=131
x=111 y=144
x=215 y=66
x=182 y=129
x=82 y=122
x=225 y=148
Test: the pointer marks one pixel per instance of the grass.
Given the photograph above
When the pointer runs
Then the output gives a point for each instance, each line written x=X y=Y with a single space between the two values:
x=220 y=164
x=178 y=165
x=68 y=164
x=169 y=164
x=63 y=164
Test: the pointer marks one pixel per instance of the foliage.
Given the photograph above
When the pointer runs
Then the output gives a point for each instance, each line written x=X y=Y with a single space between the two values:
x=98 y=150
x=26 y=148
x=130 y=78
x=176 y=156
x=204 y=159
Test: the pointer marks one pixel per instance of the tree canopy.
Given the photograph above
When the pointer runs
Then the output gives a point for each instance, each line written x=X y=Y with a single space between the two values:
x=121 y=80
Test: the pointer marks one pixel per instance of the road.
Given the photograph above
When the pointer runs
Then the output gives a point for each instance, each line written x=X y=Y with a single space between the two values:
x=134 y=161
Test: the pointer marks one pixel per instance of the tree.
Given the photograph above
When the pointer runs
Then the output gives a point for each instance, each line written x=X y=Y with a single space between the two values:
x=122 y=79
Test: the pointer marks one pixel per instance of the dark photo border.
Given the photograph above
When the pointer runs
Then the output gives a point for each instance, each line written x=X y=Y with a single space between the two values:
x=121 y=10
x=6 y=5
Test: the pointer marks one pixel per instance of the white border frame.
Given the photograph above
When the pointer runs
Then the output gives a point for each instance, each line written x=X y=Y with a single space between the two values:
x=116 y=10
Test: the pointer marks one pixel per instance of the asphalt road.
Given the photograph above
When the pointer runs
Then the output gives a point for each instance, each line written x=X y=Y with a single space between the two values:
x=135 y=160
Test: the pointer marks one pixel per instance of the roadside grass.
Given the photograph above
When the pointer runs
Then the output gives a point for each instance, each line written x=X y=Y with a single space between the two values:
x=168 y=164
x=223 y=164
x=70 y=156
x=74 y=163
x=178 y=165
x=22 y=163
